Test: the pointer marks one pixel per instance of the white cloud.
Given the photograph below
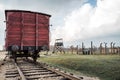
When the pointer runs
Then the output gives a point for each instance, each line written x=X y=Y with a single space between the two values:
x=1 y=7
x=88 y=22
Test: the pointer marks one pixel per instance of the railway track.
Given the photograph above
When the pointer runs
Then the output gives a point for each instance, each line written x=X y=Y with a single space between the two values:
x=27 y=70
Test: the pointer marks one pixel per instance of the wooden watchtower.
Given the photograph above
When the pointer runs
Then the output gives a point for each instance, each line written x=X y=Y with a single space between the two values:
x=58 y=46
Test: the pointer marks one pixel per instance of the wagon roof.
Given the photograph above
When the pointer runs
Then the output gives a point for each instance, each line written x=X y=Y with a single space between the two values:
x=26 y=11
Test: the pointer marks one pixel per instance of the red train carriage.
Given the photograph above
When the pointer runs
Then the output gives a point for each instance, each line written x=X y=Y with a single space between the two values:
x=27 y=33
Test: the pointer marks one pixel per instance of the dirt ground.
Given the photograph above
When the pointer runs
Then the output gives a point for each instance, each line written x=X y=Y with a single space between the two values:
x=2 y=55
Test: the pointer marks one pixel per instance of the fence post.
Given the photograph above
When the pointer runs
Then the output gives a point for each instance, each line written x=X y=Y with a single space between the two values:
x=77 y=49
x=100 y=48
x=118 y=50
x=82 y=47
x=111 y=47
x=91 y=47
x=71 y=48
x=105 y=48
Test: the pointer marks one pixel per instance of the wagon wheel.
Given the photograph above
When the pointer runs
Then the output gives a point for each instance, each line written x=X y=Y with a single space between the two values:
x=14 y=56
x=35 y=55
x=34 y=59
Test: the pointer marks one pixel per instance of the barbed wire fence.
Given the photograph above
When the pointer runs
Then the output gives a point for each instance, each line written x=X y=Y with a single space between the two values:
x=103 y=48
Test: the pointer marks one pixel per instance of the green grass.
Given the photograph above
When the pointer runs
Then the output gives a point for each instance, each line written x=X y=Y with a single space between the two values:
x=106 y=67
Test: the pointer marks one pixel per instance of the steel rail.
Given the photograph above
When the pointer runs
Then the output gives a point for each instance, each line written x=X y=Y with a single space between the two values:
x=71 y=77
x=20 y=72
x=66 y=75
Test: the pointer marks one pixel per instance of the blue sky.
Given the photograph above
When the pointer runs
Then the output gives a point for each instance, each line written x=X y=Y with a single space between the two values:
x=92 y=2
x=75 y=21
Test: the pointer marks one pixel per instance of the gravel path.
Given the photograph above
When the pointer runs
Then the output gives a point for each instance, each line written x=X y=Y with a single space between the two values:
x=2 y=67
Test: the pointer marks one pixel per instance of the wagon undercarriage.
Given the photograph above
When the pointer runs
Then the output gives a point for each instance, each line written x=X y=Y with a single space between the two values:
x=15 y=55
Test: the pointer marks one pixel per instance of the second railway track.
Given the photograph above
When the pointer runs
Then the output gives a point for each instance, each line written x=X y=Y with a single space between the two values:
x=26 y=70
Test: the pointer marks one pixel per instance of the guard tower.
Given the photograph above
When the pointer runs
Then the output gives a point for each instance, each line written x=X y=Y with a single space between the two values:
x=58 y=46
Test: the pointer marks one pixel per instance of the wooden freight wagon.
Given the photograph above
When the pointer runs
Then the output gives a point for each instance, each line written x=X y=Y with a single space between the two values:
x=27 y=33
